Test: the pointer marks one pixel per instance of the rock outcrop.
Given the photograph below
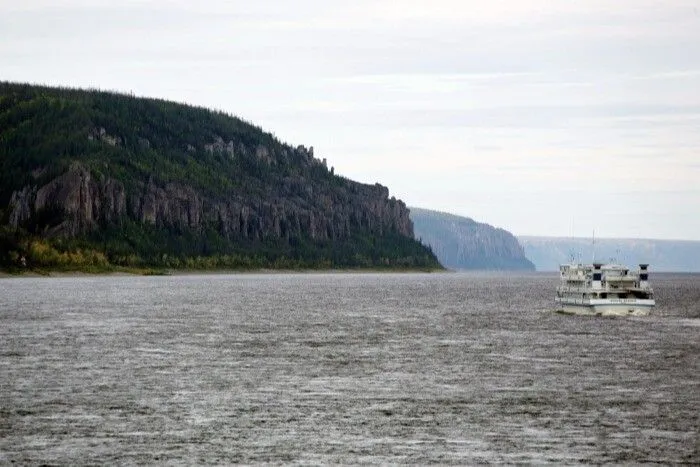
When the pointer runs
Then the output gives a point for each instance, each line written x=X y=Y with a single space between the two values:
x=78 y=201
x=86 y=203
x=155 y=179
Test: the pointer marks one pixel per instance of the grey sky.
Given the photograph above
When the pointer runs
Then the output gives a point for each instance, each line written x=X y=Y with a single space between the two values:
x=542 y=117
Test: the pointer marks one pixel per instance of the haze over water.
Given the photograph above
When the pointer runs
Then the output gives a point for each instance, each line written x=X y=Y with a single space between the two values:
x=526 y=115
x=342 y=368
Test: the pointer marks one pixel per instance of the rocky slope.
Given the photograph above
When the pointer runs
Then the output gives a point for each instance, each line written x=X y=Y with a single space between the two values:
x=463 y=244
x=145 y=177
x=84 y=202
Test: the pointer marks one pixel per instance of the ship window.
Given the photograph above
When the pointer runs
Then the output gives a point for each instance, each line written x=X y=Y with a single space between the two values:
x=604 y=295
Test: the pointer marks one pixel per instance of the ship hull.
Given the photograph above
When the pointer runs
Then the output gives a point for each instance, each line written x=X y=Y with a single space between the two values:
x=607 y=308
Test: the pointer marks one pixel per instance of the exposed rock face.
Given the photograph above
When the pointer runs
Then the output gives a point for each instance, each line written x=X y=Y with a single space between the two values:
x=151 y=182
x=86 y=203
x=218 y=146
x=102 y=135
x=461 y=243
x=80 y=201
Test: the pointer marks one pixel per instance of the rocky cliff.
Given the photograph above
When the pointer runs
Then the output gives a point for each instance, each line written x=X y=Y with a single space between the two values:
x=81 y=202
x=463 y=244
x=94 y=166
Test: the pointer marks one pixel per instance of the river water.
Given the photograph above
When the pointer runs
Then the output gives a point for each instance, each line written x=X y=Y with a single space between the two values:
x=342 y=368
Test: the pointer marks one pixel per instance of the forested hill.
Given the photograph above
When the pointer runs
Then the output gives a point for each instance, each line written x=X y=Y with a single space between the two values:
x=462 y=243
x=95 y=179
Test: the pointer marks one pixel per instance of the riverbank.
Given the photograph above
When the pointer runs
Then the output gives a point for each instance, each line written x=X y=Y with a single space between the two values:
x=185 y=272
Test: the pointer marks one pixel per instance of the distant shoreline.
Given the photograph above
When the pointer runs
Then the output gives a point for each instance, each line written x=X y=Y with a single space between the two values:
x=223 y=272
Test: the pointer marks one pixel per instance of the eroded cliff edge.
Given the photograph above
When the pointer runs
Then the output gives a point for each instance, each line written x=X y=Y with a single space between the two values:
x=461 y=243
x=149 y=180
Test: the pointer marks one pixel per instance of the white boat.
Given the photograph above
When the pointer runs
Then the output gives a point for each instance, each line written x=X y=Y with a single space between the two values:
x=604 y=290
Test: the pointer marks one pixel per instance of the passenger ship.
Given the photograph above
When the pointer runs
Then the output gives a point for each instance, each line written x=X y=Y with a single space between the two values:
x=604 y=289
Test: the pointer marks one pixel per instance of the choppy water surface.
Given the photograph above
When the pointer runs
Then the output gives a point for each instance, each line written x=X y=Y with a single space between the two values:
x=342 y=368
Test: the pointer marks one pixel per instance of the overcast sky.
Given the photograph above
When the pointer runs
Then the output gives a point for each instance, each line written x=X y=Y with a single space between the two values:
x=543 y=117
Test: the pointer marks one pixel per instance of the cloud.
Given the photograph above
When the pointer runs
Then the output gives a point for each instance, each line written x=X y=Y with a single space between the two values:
x=465 y=104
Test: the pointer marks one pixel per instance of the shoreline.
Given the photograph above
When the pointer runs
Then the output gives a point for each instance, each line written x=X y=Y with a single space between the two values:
x=211 y=272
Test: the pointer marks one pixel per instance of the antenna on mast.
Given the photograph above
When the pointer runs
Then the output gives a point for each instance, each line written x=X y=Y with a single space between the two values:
x=594 y=245
x=572 y=243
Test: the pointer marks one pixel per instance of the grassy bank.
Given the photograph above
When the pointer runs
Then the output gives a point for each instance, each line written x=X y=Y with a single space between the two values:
x=22 y=253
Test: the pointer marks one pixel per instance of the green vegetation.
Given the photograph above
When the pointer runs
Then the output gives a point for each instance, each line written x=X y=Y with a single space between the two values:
x=48 y=128
x=142 y=251
x=213 y=158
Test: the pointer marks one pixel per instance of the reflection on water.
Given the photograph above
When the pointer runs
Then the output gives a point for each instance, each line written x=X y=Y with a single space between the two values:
x=342 y=368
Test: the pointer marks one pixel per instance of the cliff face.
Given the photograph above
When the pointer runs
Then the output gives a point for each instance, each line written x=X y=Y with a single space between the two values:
x=461 y=243
x=82 y=203
x=92 y=165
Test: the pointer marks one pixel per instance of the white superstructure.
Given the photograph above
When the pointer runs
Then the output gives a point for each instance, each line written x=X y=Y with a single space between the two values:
x=604 y=289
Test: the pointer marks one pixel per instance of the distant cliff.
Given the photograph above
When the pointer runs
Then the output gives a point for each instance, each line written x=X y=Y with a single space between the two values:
x=462 y=243
x=150 y=182
x=663 y=255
